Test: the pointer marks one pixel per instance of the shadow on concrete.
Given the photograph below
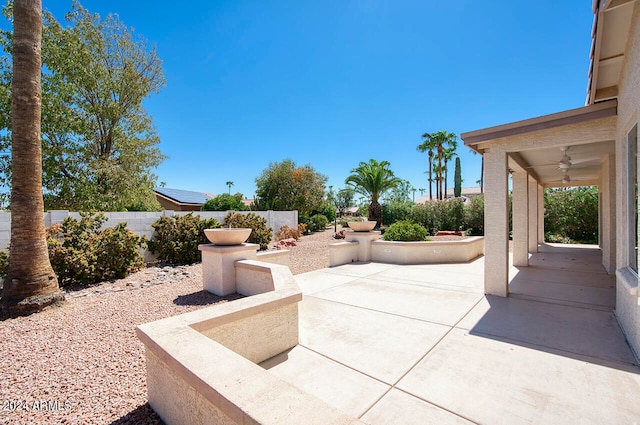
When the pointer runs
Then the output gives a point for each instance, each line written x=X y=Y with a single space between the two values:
x=204 y=298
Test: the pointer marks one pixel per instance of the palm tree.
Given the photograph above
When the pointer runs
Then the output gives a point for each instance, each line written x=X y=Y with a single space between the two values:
x=440 y=140
x=448 y=154
x=229 y=183
x=428 y=145
x=30 y=284
x=481 y=181
x=422 y=189
x=372 y=179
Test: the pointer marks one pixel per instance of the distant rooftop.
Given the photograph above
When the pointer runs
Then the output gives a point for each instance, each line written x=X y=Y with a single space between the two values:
x=183 y=196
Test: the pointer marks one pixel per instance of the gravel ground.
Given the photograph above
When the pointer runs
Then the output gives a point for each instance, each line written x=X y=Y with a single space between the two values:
x=82 y=363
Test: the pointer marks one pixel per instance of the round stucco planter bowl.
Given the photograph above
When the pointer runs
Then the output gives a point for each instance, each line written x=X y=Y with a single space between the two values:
x=227 y=236
x=362 y=226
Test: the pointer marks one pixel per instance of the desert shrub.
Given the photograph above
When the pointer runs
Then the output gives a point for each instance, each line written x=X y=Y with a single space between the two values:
x=260 y=233
x=328 y=211
x=286 y=232
x=474 y=216
x=82 y=253
x=396 y=211
x=317 y=223
x=344 y=222
x=225 y=202
x=4 y=263
x=176 y=238
x=406 y=231
x=571 y=214
x=440 y=215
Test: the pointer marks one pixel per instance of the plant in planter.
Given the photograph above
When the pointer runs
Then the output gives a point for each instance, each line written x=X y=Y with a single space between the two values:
x=405 y=231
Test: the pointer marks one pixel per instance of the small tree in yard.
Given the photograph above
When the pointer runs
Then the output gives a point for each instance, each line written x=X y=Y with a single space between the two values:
x=373 y=179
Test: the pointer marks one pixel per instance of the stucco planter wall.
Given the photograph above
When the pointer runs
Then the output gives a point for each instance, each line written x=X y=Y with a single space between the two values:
x=202 y=366
x=427 y=252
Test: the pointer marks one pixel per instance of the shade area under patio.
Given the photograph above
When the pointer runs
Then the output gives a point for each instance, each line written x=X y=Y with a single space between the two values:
x=422 y=344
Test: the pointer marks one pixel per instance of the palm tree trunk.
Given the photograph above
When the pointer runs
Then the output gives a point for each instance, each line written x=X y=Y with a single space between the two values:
x=30 y=284
x=446 y=175
x=430 y=175
x=375 y=212
x=440 y=170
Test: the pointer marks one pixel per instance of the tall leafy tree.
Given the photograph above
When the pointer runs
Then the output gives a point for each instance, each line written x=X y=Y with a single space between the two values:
x=372 y=179
x=30 y=284
x=287 y=186
x=344 y=199
x=229 y=184
x=99 y=144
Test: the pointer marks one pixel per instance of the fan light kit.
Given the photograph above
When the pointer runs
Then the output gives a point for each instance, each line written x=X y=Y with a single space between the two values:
x=565 y=161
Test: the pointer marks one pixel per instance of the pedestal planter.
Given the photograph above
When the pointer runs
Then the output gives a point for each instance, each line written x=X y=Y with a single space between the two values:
x=361 y=226
x=227 y=236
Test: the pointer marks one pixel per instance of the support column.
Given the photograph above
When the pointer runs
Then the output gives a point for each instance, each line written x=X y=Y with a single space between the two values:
x=218 y=265
x=520 y=181
x=607 y=216
x=496 y=223
x=533 y=214
x=540 y=214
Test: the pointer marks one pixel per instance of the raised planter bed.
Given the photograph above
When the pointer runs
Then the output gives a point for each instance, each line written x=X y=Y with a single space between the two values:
x=430 y=252
x=202 y=367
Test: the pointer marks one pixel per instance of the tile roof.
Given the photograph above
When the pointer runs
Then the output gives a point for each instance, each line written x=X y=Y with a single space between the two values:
x=183 y=196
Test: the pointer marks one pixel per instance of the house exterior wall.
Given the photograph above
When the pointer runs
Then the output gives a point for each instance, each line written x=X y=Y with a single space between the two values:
x=627 y=308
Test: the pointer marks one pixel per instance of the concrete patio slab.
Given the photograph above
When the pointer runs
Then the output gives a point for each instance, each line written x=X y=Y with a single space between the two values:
x=440 y=306
x=380 y=345
x=338 y=385
x=563 y=293
x=312 y=282
x=598 y=279
x=398 y=407
x=434 y=278
x=487 y=380
x=359 y=269
x=577 y=331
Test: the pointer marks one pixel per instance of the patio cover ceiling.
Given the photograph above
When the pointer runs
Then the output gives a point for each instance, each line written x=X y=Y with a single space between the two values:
x=611 y=23
x=535 y=144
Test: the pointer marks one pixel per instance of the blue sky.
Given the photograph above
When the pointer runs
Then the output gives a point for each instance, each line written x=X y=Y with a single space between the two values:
x=332 y=83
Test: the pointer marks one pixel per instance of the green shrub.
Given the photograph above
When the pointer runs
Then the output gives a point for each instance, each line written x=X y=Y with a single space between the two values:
x=571 y=214
x=474 y=216
x=260 y=234
x=440 y=215
x=4 y=263
x=176 y=238
x=225 y=202
x=82 y=253
x=405 y=231
x=317 y=223
x=328 y=211
x=396 y=211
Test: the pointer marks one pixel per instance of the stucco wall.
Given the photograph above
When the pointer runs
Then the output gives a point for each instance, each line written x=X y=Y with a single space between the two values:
x=627 y=308
x=140 y=222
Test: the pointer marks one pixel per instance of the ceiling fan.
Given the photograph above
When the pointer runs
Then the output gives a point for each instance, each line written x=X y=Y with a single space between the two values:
x=566 y=162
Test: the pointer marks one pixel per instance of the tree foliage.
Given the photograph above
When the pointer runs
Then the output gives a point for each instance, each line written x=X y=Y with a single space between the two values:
x=373 y=179
x=443 y=145
x=225 y=202
x=571 y=215
x=286 y=186
x=98 y=142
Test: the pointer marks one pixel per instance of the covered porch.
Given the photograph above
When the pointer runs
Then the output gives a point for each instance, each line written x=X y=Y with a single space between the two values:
x=570 y=148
